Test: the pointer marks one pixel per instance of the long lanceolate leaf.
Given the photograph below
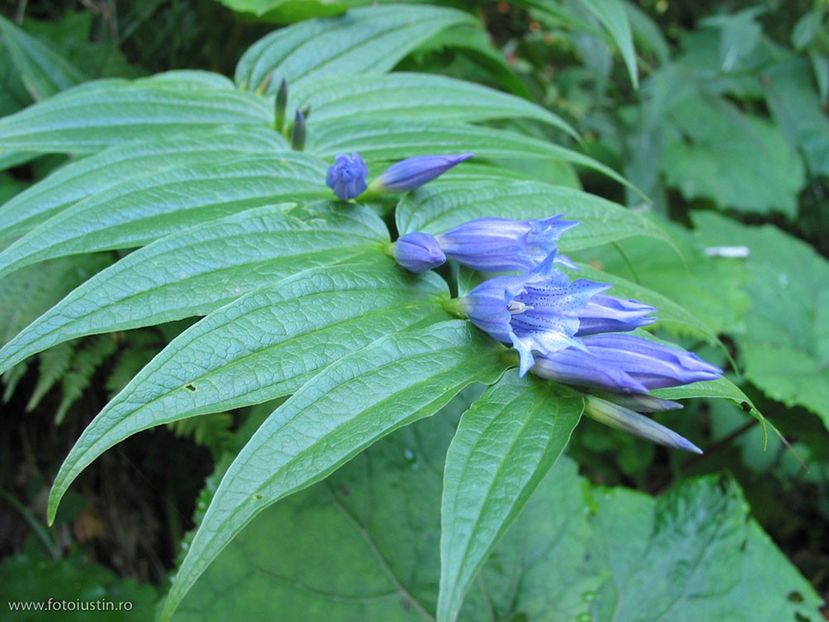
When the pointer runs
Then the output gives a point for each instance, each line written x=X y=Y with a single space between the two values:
x=406 y=97
x=263 y=346
x=505 y=444
x=148 y=207
x=115 y=165
x=197 y=270
x=365 y=41
x=99 y=114
x=445 y=204
x=344 y=409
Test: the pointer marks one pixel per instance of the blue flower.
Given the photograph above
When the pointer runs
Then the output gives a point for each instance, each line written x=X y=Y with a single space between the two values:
x=605 y=314
x=347 y=176
x=418 y=252
x=414 y=172
x=624 y=364
x=617 y=415
x=535 y=312
x=501 y=244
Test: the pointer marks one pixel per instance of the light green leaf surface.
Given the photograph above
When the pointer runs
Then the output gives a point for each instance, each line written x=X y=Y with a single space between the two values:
x=363 y=547
x=441 y=205
x=407 y=97
x=365 y=41
x=785 y=347
x=614 y=17
x=505 y=445
x=102 y=171
x=337 y=414
x=259 y=348
x=197 y=270
x=148 y=207
x=43 y=70
x=99 y=114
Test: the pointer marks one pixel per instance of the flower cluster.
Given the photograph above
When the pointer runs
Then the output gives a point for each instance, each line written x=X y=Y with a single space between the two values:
x=568 y=330
x=347 y=176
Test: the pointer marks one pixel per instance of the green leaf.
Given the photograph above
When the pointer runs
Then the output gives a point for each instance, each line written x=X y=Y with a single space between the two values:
x=148 y=207
x=111 y=167
x=714 y=156
x=721 y=566
x=708 y=287
x=99 y=114
x=261 y=347
x=407 y=97
x=669 y=315
x=722 y=388
x=444 y=204
x=385 y=142
x=505 y=444
x=334 y=416
x=363 y=547
x=200 y=269
x=367 y=41
x=785 y=347
x=42 y=69
x=613 y=16
x=797 y=109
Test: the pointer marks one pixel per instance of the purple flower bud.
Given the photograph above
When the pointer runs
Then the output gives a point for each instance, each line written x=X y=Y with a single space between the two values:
x=605 y=314
x=413 y=172
x=624 y=364
x=617 y=416
x=418 y=252
x=347 y=176
x=501 y=244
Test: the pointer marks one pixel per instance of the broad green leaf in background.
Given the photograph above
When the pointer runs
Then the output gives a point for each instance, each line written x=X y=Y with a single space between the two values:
x=200 y=269
x=714 y=155
x=406 y=97
x=259 y=348
x=363 y=547
x=341 y=411
x=155 y=204
x=505 y=445
x=365 y=41
x=614 y=17
x=102 y=171
x=796 y=107
x=785 y=347
x=43 y=70
x=722 y=388
x=99 y=114
x=388 y=141
x=710 y=288
x=670 y=315
x=447 y=203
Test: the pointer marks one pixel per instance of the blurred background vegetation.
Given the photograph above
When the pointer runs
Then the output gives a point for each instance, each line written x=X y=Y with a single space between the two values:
x=727 y=134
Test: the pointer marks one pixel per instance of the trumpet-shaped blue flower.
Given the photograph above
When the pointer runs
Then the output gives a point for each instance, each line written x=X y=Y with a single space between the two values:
x=616 y=415
x=605 y=314
x=535 y=312
x=413 y=172
x=501 y=244
x=418 y=252
x=624 y=364
x=347 y=176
